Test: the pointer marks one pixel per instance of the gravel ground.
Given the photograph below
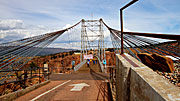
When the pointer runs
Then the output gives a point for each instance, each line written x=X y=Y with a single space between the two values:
x=174 y=77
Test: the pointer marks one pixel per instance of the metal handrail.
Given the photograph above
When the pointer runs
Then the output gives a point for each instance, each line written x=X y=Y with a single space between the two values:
x=155 y=35
x=77 y=67
x=101 y=65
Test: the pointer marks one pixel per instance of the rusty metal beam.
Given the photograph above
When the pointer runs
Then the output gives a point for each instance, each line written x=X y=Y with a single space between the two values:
x=130 y=3
x=121 y=21
x=154 y=35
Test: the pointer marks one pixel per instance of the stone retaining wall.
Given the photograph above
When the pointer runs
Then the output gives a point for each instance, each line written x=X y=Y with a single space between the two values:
x=14 y=95
x=141 y=83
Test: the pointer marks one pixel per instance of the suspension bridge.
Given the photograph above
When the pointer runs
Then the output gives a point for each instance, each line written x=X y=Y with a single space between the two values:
x=92 y=80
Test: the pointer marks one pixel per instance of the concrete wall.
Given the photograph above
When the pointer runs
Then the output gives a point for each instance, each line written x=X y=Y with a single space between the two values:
x=141 y=83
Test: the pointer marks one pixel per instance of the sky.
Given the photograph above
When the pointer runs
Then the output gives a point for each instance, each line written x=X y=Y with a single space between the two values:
x=25 y=18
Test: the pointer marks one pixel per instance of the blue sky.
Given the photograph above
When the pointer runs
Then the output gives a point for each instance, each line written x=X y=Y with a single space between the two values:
x=24 y=18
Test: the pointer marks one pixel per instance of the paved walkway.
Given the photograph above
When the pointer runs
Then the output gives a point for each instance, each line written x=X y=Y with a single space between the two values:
x=92 y=67
x=86 y=84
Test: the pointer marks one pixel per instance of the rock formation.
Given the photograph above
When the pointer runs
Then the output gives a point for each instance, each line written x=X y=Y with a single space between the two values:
x=61 y=62
x=157 y=62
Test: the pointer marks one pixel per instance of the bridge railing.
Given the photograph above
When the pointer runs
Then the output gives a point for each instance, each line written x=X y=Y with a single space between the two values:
x=100 y=63
x=77 y=67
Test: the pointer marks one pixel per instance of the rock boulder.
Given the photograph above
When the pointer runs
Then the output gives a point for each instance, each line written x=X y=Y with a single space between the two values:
x=157 y=62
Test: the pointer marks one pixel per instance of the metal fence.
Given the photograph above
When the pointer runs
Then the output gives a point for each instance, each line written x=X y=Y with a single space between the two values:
x=22 y=75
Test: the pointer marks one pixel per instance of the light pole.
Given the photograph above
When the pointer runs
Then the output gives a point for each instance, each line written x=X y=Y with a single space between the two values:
x=121 y=21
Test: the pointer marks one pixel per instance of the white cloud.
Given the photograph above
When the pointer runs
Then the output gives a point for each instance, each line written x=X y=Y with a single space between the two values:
x=67 y=26
x=59 y=13
x=55 y=14
x=10 y=24
x=11 y=30
x=127 y=30
x=72 y=45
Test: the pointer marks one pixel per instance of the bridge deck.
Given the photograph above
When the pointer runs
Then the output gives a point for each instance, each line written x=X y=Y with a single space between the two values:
x=92 y=67
x=97 y=89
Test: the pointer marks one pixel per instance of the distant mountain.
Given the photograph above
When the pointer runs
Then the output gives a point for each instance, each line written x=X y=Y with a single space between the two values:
x=44 y=51
x=47 y=51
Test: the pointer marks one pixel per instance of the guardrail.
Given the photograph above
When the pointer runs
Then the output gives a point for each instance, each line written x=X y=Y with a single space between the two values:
x=101 y=65
x=77 y=67
x=23 y=75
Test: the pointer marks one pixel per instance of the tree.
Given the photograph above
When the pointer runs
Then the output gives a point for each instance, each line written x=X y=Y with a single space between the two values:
x=71 y=52
x=32 y=65
x=54 y=57
x=44 y=62
x=66 y=54
x=62 y=55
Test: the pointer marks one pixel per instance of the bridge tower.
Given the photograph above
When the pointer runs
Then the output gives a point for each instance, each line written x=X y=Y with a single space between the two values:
x=92 y=37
